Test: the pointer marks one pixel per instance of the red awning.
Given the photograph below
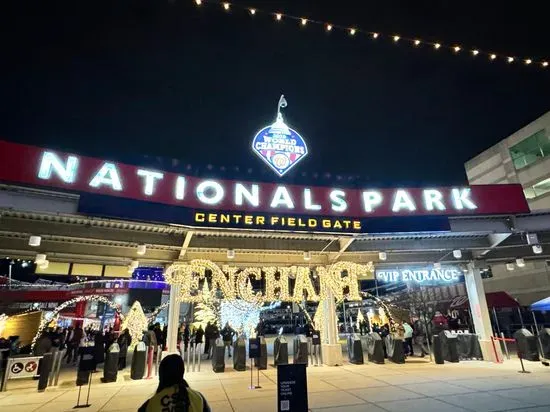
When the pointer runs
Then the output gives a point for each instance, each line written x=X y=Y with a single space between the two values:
x=494 y=300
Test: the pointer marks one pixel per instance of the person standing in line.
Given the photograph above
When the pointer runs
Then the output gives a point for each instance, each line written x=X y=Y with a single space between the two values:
x=227 y=335
x=408 y=339
x=420 y=337
x=124 y=341
x=99 y=347
x=214 y=335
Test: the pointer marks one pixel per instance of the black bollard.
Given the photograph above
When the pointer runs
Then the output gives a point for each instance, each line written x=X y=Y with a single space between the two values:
x=110 y=369
x=138 y=361
x=44 y=371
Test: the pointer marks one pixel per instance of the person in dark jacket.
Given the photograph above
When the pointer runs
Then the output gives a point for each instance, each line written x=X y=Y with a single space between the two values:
x=199 y=335
x=43 y=345
x=99 y=347
x=158 y=335
x=227 y=335
x=173 y=392
x=124 y=341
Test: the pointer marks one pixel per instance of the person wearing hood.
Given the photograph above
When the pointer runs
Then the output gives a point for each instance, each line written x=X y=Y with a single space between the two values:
x=173 y=392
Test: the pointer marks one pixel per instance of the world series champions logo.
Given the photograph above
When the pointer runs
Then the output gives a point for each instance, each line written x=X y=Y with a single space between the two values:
x=278 y=145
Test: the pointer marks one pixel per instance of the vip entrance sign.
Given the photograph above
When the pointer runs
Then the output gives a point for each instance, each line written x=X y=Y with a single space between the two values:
x=420 y=275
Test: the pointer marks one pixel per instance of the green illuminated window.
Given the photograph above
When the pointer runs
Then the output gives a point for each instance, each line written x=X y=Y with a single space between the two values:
x=530 y=150
x=538 y=189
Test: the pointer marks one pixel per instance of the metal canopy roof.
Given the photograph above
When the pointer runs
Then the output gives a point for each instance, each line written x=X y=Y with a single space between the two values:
x=68 y=236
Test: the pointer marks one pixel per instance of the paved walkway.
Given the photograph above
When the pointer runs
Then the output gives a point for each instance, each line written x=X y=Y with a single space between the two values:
x=418 y=386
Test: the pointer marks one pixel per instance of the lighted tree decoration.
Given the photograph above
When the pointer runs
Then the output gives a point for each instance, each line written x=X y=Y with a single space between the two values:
x=360 y=319
x=208 y=309
x=136 y=322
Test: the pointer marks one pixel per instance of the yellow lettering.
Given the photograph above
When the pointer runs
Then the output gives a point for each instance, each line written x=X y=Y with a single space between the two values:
x=237 y=218
x=337 y=225
x=292 y=221
x=357 y=225
x=326 y=224
x=303 y=284
x=199 y=217
x=312 y=222
x=212 y=218
x=248 y=220
x=347 y=223
x=225 y=218
x=260 y=220
x=274 y=220
x=301 y=222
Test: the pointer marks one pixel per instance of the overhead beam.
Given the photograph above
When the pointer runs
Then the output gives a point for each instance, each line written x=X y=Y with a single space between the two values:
x=344 y=243
x=494 y=239
x=185 y=245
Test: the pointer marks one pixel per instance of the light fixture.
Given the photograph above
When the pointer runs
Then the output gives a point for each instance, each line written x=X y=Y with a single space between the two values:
x=141 y=249
x=396 y=38
x=437 y=265
x=493 y=56
x=537 y=249
x=307 y=255
x=253 y=11
x=417 y=42
x=40 y=257
x=35 y=241
x=544 y=64
x=437 y=46
x=520 y=262
x=352 y=32
x=198 y=2
x=329 y=27
x=510 y=267
x=382 y=255
x=457 y=253
x=304 y=22
x=44 y=264
x=375 y=35
x=510 y=59
x=226 y=6
x=528 y=61
x=230 y=254
x=456 y=49
x=475 y=52
x=278 y=16
x=24 y=264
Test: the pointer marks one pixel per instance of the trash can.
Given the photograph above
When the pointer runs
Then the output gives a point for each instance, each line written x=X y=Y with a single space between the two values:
x=137 y=369
x=239 y=355
x=375 y=348
x=527 y=345
x=300 y=349
x=544 y=337
x=261 y=362
x=280 y=351
x=355 y=350
x=449 y=345
x=438 y=350
x=110 y=368
x=394 y=349
x=218 y=357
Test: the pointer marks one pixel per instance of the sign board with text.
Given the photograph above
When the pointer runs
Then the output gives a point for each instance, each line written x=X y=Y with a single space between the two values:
x=208 y=202
x=423 y=275
x=292 y=388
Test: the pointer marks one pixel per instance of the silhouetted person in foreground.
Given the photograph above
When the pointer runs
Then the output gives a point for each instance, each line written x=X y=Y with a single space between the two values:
x=173 y=392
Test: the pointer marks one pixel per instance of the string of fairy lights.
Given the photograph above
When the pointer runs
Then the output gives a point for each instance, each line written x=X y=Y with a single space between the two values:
x=395 y=38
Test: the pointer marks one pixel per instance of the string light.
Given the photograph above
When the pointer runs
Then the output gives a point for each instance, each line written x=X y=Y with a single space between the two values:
x=352 y=31
x=136 y=322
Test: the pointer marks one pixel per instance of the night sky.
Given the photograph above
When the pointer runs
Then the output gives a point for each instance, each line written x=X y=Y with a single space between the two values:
x=119 y=78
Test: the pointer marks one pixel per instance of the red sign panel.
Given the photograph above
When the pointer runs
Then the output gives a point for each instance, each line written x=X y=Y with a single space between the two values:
x=32 y=165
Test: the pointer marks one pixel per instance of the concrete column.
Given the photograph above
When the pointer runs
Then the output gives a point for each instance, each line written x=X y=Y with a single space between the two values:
x=480 y=314
x=173 y=319
x=332 y=350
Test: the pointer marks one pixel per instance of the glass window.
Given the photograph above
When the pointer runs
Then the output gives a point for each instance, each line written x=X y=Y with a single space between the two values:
x=530 y=150
x=538 y=189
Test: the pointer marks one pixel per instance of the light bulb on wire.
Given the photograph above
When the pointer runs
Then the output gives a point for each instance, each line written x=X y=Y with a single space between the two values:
x=226 y=6
x=304 y=22
x=329 y=27
x=252 y=11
